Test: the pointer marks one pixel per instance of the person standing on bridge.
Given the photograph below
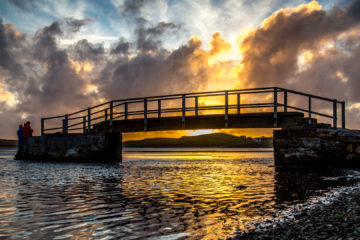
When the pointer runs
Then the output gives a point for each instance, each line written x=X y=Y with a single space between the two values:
x=27 y=131
x=20 y=138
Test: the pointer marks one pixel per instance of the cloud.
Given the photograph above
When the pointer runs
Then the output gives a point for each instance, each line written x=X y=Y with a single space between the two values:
x=26 y=5
x=218 y=44
x=305 y=48
x=272 y=52
x=74 y=25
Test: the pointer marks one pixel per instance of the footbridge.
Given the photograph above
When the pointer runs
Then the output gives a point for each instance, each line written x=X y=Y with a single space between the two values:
x=95 y=133
x=270 y=107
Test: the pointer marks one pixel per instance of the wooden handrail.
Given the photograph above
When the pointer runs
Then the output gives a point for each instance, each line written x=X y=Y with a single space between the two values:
x=110 y=112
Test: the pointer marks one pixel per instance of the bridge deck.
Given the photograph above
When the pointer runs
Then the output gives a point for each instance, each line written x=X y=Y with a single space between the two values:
x=245 y=120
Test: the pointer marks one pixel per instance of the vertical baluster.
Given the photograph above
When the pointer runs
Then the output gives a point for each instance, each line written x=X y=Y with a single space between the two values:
x=159 y=108
x=285 y=101
x=309 y=109
x=111 y=113
x=66 y=124
x=42 y=126
x=84 y=124
x=106 y=114
x=145 y=115
x=63 y=126
x=183 y=111
x=196 y=106
x=126 y=111
x=335 y=113
x=226 y=109
x=238 y=102
x=343 y=114
x=89 y=119
x=275 y=108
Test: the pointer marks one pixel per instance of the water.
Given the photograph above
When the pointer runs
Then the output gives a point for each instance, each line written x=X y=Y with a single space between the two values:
x=175 y=194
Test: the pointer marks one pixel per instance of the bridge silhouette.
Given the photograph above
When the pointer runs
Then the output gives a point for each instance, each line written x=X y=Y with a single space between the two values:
x=245 y=108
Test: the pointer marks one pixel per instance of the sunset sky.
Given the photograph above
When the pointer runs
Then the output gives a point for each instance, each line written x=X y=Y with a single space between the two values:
x=61 y=56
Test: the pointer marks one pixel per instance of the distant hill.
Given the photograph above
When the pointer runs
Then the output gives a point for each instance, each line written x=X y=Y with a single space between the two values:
x=8 y=143
x=207 y=140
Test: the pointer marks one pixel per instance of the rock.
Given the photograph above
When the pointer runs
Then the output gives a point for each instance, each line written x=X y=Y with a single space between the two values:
x=349 y=148
x=241 y=187
x=357 y=150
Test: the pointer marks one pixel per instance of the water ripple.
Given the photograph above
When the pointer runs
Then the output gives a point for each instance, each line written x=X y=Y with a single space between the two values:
x=166 y=195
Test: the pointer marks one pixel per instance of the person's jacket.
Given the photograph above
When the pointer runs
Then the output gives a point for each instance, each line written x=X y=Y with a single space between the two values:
x=27 y=131
x=20 y=136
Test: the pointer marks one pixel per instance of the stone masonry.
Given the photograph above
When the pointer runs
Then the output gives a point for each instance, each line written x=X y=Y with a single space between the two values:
x=73 y=147
x=317 y=147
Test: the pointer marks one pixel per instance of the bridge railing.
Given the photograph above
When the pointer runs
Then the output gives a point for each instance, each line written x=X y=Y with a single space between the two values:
x=139 y=108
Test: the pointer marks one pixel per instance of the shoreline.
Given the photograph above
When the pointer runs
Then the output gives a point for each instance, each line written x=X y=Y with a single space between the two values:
x=335 y=215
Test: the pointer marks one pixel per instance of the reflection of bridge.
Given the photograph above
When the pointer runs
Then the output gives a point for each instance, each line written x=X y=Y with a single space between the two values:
x=246 y=108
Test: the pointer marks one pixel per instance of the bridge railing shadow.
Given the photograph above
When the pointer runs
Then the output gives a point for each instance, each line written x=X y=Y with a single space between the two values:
x=274 y=99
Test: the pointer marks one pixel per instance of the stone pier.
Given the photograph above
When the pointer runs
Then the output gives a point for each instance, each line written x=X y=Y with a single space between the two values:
x=317 y=147
x=104 y=148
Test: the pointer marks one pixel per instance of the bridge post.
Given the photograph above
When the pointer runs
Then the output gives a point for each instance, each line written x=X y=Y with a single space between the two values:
x=275 y=107
x=65 y=124
x=106 y=114
x=89 y=119
x=126 y=111
x=238 y=103
x=42 y=126
x=159 y=108
x=145 y=115
x=111 y=113
x=309 y=110
x=285 y=101
x=343 y=114
x=183 y=111
x=335 y=113
x=196 y=106
x=226 y=109
x=84 y=124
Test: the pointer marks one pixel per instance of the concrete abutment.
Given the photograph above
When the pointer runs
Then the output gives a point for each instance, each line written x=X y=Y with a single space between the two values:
x=104 y=148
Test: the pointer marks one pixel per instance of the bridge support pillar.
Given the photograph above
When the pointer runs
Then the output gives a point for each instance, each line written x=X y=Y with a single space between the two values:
x=102 y=148
x=311 y=147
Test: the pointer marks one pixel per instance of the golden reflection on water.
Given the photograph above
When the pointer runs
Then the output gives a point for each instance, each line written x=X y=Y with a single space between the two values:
x=210 y=185
x=175 y=194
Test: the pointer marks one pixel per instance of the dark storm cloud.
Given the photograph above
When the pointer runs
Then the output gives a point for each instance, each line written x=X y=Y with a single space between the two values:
x=49 y=85
x=74 y=25
x=148 y=38
x=354 y=10
x=121 y=47
x=148 y=74
x=10 y=40
x=130 y=9
x=88 y=51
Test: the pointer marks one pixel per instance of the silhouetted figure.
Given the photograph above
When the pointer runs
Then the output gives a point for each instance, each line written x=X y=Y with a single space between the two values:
x=20 y=138
x=27 y=131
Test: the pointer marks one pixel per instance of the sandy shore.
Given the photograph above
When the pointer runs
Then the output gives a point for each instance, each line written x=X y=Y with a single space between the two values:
x=334 y=216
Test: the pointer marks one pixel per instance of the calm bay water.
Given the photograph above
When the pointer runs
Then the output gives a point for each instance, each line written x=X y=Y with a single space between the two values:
x=176 y=194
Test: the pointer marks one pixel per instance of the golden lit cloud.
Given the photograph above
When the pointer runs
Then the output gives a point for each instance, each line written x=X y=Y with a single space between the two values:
x=81 y=67
x=218 y=44
x=341 y=76
x=286 y=12
x=7 y=97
